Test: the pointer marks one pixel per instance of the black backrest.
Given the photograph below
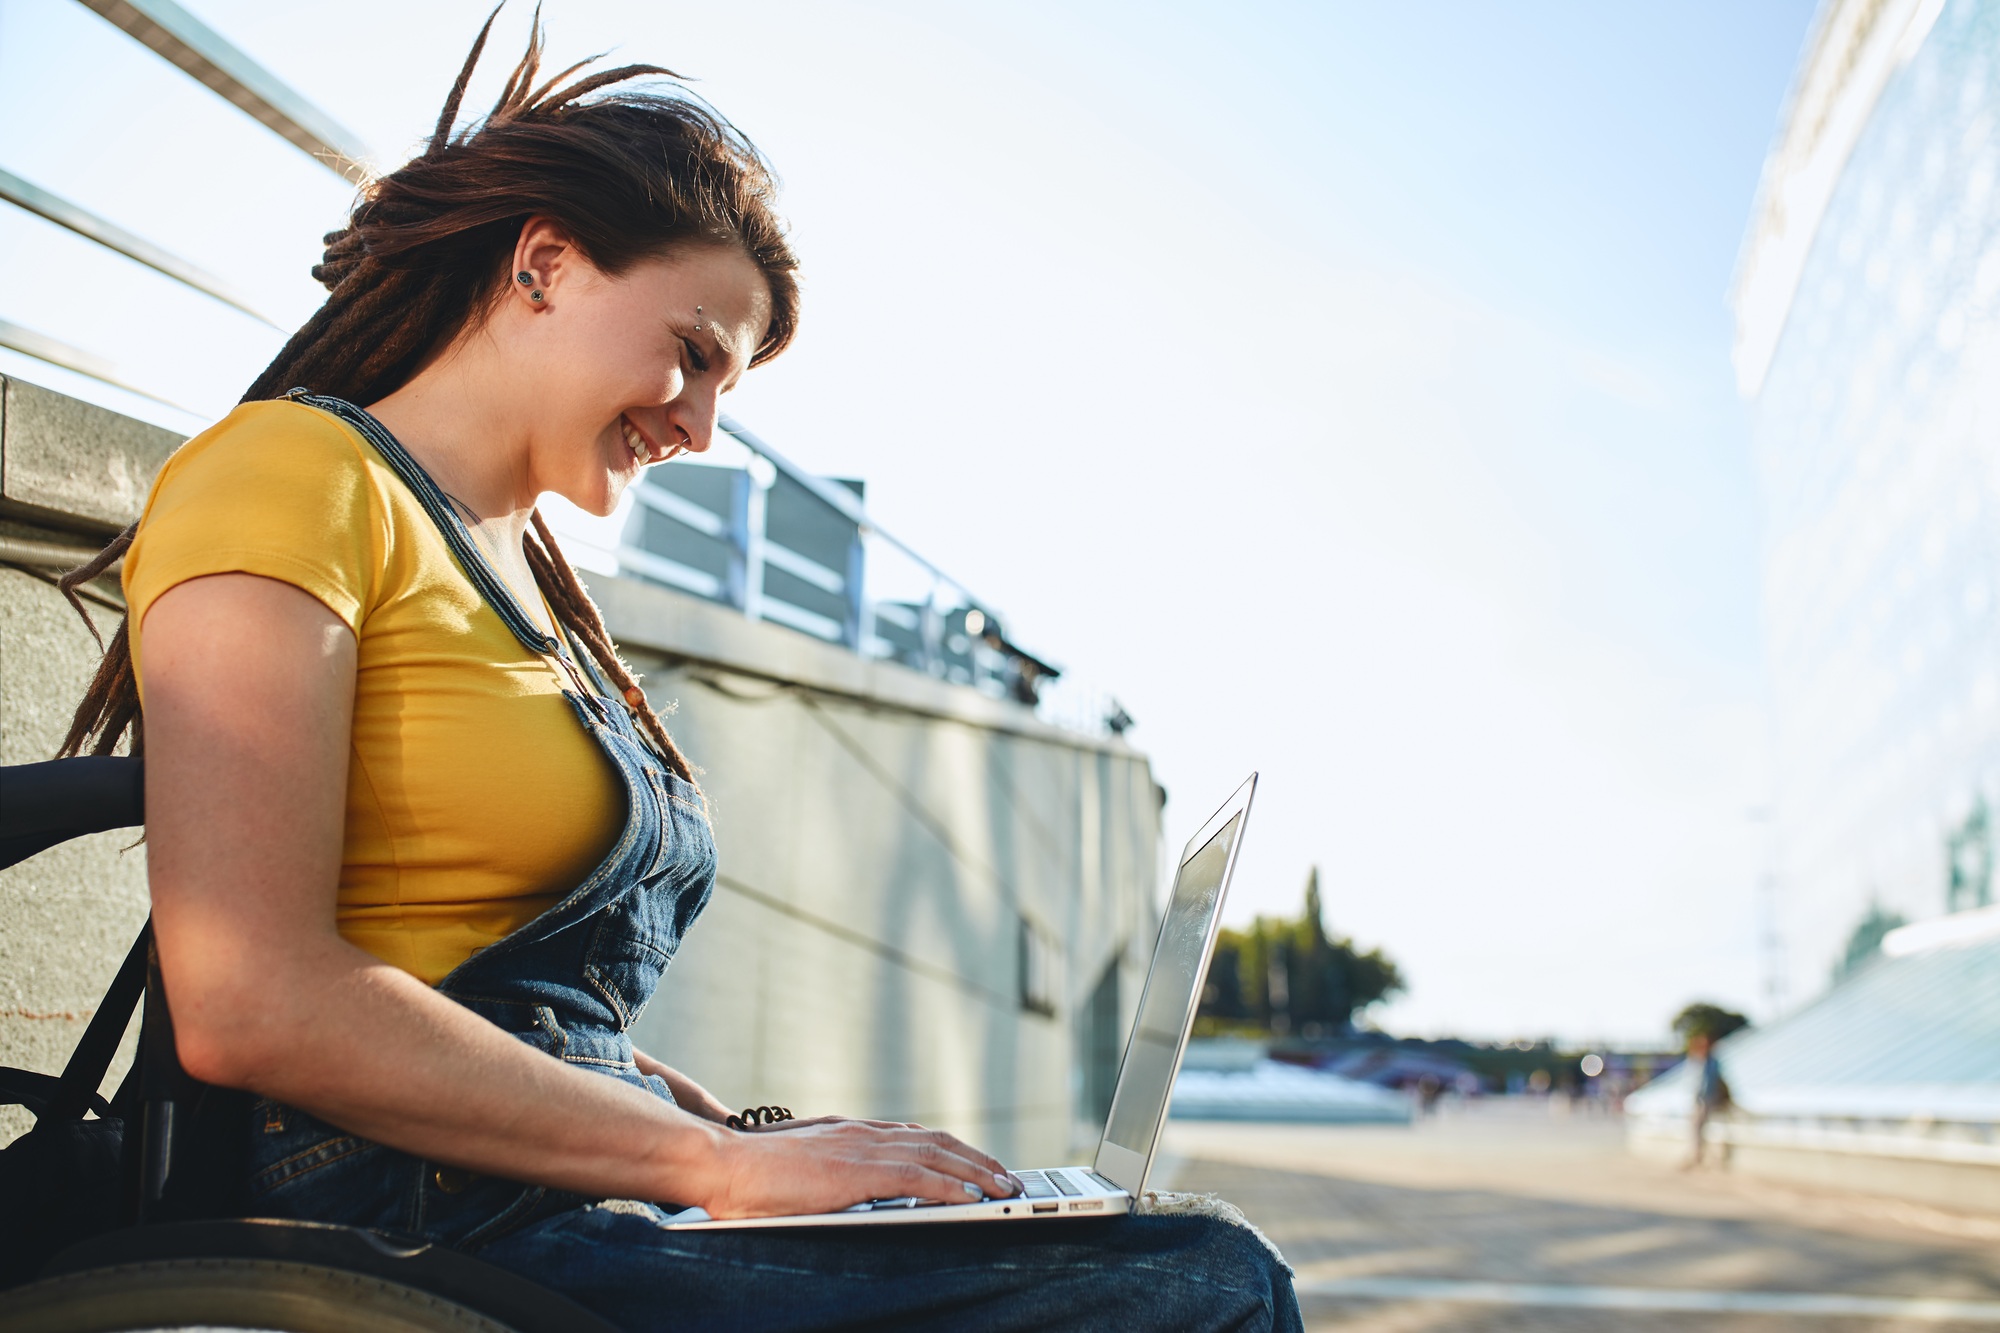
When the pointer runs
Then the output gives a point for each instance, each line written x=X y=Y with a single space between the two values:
x=44 y=804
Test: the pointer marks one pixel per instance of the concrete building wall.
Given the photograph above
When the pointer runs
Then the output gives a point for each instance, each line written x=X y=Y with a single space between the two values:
x=863 y=950
x=72 y=475
x=886 y=840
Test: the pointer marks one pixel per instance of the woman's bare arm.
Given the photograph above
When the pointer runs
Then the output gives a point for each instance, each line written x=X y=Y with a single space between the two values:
x=249 y=702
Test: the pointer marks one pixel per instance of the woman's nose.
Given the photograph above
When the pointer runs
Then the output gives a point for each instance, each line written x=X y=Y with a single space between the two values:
x=697 y=422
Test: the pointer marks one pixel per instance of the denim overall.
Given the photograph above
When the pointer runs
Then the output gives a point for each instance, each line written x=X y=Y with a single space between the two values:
x=569 y=983
x=572 y=981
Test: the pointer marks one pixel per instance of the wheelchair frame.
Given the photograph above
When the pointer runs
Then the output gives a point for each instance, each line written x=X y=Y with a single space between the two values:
x=172 y=1258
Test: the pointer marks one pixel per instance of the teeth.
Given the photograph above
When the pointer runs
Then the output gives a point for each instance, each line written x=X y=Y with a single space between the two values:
x=633 y=440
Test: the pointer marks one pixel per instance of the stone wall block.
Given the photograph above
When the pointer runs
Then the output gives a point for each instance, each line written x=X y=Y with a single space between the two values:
x=74 y=464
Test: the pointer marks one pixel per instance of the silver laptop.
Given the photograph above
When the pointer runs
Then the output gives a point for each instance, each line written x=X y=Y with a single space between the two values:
x=1145 y=1079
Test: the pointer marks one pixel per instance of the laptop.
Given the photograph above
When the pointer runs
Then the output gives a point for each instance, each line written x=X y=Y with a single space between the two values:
x=1145 y=1078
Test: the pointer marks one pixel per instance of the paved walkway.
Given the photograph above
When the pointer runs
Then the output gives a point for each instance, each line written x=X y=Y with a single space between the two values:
x=1510 y=1217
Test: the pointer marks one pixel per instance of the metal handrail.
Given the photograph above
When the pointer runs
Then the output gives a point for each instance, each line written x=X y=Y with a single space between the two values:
x=198 y=50
x=46 y=555
x=942 y=609
x=836 y=497
x=207 y=57
x=56 y=352
x=111 y=236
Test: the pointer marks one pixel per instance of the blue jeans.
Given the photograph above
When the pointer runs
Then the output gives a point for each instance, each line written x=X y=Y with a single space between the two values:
x=1179 y=1273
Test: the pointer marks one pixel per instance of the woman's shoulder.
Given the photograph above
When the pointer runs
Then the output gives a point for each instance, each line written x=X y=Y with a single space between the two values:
x=275 y=465
x=274 y=488
x=273 y=439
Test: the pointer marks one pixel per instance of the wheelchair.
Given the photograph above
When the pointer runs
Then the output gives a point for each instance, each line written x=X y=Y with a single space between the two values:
x=170 y=1250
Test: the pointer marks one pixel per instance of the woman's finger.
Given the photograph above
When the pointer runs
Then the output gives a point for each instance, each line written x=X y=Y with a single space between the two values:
x=944 y=1154
x=924 y=1181
x=952 y=1143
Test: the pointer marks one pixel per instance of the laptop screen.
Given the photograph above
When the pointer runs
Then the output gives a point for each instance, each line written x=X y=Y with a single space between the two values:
x=1145 y=1080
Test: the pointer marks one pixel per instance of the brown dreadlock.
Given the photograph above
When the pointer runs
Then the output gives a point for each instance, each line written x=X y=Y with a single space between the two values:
x=629 y=174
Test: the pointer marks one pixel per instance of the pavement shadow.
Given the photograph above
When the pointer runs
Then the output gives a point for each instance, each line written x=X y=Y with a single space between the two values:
x=1334 y=1228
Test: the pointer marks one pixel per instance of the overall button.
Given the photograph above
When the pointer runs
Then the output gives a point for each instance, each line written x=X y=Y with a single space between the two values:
x=452 y=1179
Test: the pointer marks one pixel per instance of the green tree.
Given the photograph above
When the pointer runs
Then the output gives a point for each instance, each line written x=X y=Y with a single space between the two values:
x=1702 y=1019
x=1280 y=975
x=1969 y=861
x=1866 y=940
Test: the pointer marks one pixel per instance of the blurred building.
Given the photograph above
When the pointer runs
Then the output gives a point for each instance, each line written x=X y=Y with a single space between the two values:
x=1868 y=344
x=1868 y=311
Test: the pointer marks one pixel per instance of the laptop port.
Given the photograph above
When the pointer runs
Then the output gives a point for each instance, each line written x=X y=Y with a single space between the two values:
x=1047 y=1207
x=1087 y=1206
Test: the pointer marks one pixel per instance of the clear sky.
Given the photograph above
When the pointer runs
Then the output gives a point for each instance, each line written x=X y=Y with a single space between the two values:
x=1345 y=386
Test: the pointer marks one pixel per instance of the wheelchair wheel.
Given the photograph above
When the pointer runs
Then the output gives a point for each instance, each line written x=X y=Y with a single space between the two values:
x=267 y=1295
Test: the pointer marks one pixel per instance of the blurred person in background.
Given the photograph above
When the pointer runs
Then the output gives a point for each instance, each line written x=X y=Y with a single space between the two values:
x=1711 y=1094
x=1701 y=1025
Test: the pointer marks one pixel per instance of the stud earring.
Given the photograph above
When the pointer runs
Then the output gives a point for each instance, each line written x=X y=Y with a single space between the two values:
x=525 y=278
x=535 y=297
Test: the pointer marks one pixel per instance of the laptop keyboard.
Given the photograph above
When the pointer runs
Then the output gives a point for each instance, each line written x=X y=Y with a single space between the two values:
x=1034 y=1185
x=1045 y=1184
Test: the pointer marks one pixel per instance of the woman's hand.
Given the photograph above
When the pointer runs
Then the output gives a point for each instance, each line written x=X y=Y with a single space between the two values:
x=823 y=1165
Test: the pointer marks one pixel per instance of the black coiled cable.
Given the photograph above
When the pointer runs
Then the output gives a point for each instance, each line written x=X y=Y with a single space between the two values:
x=760 y=1115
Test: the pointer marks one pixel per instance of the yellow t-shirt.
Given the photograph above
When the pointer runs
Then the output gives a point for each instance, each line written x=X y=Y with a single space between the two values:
x=475 y=799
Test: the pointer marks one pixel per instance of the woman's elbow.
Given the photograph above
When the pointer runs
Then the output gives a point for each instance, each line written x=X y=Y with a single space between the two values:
x=230 y=1040
x=209 y=1059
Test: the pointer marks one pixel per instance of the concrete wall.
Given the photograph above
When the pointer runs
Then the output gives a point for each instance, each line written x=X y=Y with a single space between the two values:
x=70 y=474
x=883 y=838
x=1736 y=1146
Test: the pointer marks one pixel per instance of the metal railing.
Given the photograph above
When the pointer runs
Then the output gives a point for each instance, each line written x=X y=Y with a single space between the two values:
x=205 y=56
x=745 y=527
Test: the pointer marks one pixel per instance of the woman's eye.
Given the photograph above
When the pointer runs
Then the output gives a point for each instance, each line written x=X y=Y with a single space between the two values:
x=695 y=358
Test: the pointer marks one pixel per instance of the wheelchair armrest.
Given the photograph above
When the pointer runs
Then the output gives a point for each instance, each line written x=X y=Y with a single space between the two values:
x=47 y=803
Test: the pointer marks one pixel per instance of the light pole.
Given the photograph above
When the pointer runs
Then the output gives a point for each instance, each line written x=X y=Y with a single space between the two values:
x=1770 y=940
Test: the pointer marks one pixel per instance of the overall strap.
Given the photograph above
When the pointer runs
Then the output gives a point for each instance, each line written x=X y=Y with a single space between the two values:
x=484 y=578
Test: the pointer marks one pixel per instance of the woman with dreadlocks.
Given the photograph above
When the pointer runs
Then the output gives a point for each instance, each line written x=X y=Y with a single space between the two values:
x=419 y=848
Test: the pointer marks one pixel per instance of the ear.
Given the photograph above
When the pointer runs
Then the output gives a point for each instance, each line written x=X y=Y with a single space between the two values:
x=548 y=257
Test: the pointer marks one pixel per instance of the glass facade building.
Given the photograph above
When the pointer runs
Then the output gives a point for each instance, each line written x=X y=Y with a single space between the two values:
x=1869 y=342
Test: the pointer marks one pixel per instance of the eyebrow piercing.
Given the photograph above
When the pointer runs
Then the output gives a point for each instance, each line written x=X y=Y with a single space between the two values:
x=697 y=319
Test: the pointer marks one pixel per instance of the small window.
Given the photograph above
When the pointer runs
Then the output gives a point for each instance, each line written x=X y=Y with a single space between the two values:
x=1041 y=969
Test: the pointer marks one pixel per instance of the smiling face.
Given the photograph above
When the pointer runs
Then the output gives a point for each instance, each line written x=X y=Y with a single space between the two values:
x=627 y=369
